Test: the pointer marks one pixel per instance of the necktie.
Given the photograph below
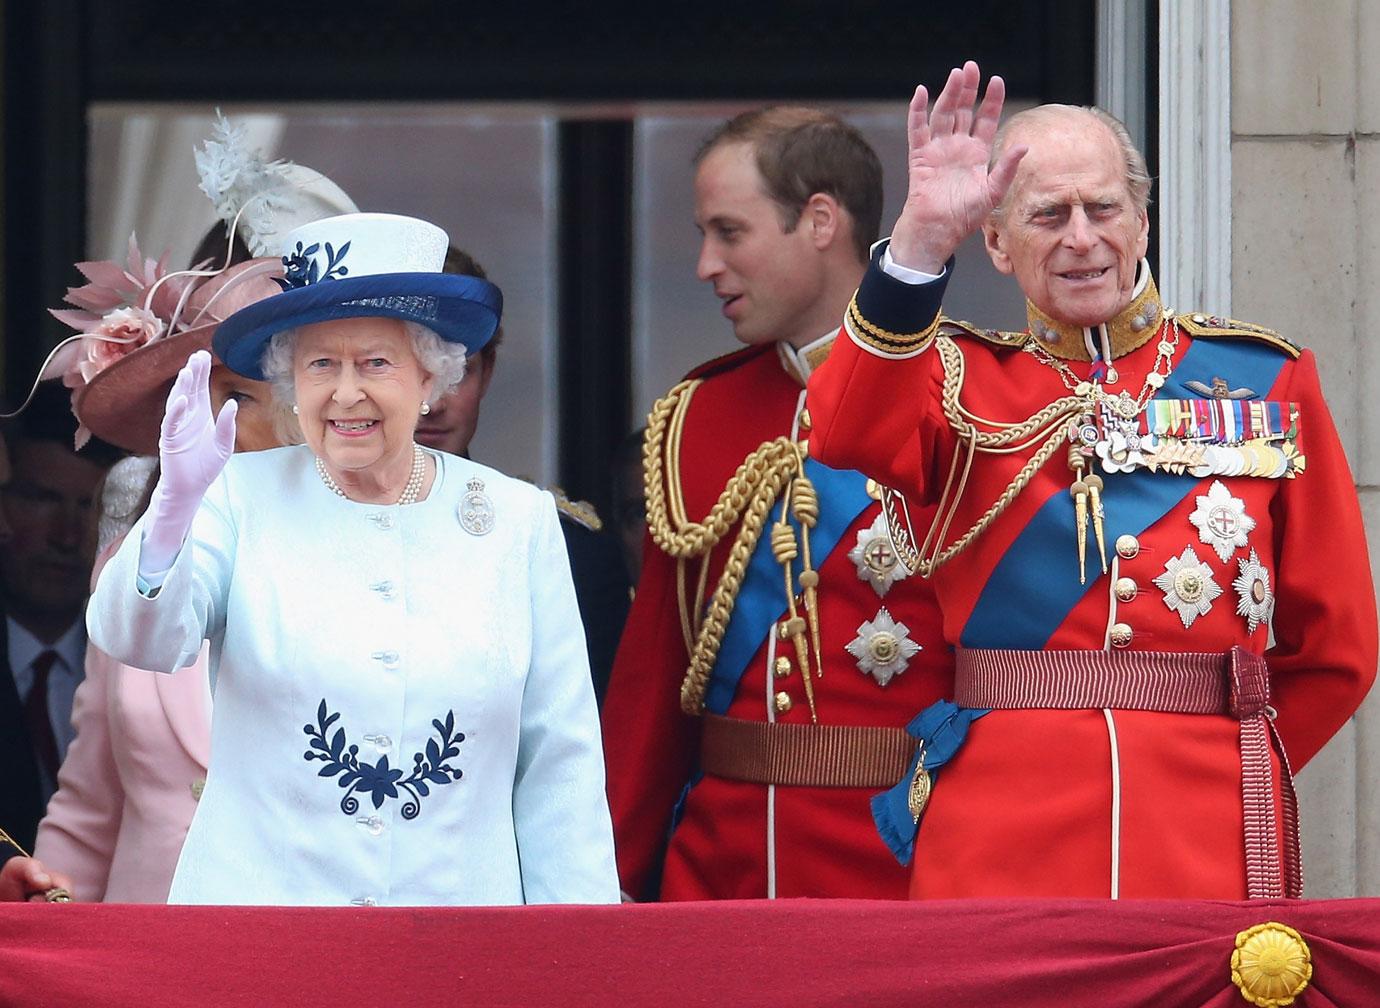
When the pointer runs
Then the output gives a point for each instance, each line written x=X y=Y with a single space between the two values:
x=36 y=716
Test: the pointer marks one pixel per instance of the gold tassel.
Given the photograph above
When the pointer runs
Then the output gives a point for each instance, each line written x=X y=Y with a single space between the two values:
x=805 y=507
x=1079 y=490
x=784 y=549
x=1094 y=483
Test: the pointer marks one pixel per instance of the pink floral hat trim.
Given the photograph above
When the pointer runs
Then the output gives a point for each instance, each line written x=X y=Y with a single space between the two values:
x=137 y=325
x=120 y=309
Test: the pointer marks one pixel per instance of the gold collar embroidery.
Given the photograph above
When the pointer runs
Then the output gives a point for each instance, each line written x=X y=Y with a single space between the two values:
x=1127 y=330
x=802 y=363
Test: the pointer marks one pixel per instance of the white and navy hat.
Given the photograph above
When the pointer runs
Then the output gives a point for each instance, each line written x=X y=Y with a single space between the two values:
x=363 y=265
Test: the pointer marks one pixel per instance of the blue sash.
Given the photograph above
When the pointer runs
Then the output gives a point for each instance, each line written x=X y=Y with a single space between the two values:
x=941 y=728
x=762 y=597
x=1008 y=614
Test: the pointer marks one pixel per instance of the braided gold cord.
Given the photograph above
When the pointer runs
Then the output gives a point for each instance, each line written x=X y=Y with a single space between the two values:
x=1047 y=422
x=1008 y=434
x=883 y=339
x=746 y=498
x=948 y=506
x=726 y=592
x=670 y=527
x=785 y=549
x=805 y=503
x=805 y=508
x=1013 y=489
x=670 y=455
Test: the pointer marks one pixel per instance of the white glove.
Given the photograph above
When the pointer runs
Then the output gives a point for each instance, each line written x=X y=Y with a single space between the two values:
x=192 y=450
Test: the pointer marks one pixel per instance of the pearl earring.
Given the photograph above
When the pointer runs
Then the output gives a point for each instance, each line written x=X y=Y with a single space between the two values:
x=295 y=410
x=426 y=408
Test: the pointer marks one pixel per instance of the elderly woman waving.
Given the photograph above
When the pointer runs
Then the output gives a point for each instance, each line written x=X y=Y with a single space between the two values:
x=403 y=710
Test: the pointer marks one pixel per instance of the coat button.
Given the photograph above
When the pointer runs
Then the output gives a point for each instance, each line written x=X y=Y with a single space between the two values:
x=1126 y=589
x=373 y=824
x=388 y=658
x=782 y=702
x=380 y=742
x=783 y=667
x=383 y=522
x=1127 y=546
x=384 y=588
x=1121 y=635
x=364 y=901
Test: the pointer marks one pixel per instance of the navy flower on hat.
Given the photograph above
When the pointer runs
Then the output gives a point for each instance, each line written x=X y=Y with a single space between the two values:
x=301 y=268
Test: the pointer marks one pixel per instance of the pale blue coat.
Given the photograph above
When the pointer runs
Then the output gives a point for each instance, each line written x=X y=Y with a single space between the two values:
x=352 y=645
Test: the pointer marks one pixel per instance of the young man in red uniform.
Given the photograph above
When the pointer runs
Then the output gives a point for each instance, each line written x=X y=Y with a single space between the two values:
x=775 y=649
x=1149 y=556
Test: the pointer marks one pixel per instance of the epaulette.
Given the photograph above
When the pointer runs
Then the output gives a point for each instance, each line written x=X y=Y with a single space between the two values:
x=1200 y=325
x=578 y=511
x=729 y=361
x=957 y=327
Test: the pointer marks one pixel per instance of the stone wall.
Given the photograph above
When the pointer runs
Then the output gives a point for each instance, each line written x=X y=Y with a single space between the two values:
x=1305 y=123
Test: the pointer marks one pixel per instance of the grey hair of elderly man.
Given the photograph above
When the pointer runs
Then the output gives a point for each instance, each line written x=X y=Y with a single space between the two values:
x=1022 y=124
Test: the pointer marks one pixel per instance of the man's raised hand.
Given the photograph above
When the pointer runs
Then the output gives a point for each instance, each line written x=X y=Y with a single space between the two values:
x=951 y=192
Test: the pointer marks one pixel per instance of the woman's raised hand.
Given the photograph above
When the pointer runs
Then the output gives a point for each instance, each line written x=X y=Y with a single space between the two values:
x=951 y=191
x=192 y=450
x=194 y=444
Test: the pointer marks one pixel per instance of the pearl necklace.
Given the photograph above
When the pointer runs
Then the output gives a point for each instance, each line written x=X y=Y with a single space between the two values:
x=411 y=489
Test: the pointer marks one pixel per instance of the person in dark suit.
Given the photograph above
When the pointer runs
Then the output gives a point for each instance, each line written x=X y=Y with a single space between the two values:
x=46 y=500
x=596 y=564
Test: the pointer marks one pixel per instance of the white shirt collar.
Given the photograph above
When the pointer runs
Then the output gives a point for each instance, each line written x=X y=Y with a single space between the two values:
x=24 y=647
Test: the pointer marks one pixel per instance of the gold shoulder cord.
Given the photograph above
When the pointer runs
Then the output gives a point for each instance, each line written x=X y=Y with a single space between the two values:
x=979 y=435
x=774 y=468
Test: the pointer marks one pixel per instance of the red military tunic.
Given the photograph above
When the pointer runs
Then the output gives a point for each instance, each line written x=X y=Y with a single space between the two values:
x=1136 y=803
x=735 y=839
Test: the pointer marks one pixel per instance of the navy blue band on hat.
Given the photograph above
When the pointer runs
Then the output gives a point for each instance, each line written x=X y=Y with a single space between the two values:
x=459 y=309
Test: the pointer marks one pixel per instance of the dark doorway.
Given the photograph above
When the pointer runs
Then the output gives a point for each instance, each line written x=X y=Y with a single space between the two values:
x=63 y=56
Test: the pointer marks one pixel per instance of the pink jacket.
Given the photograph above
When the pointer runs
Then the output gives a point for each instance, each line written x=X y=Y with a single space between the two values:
x=129 y=785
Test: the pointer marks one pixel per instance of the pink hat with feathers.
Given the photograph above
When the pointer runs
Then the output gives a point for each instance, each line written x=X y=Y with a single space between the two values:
x=122 y=401
x=138 y=323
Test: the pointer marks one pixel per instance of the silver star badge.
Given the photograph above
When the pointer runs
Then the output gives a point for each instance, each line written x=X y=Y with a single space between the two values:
x=876 y=559
x=883 y=647
x=1255 y=601
x=1188 y=586
x=1222 y=521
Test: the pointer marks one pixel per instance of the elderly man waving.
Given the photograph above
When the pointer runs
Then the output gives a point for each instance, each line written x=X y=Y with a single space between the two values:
x=1148 y=548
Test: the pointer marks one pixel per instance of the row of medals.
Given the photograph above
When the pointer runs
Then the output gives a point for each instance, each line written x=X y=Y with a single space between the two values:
x=883 y=648
x=1111 y=432
x=1113 y=435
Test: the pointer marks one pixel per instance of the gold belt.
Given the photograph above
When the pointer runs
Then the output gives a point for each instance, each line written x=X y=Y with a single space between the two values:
x=804 y=755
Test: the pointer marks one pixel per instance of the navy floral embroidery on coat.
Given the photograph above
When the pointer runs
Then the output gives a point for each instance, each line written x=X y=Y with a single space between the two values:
x=380 y=781
x=300 y=268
